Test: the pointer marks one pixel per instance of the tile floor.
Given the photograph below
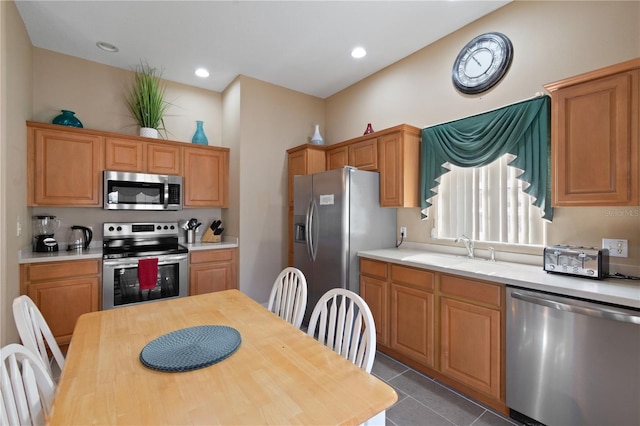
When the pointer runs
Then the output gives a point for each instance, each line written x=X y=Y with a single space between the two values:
x=425 y=401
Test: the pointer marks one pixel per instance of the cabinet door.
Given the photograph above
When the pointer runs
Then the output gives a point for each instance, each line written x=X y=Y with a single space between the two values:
x=399 y=164
x=337 y=158
x=375 y=292
x=210 y=277
x=62 y=302
x=470 y=346
x=163 y=159
x=595 y=142
x=124 y=155
x=364 y=154
x=67 y=168
x=412 y=323
x=206 y=177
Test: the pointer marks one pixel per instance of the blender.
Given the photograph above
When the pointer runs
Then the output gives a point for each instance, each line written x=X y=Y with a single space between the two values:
x=43 y=229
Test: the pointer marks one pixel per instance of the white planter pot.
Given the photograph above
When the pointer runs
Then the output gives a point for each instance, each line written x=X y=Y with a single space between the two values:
x=148 y=132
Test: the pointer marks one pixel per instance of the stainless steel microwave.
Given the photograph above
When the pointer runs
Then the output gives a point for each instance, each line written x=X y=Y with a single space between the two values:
x=141 y=191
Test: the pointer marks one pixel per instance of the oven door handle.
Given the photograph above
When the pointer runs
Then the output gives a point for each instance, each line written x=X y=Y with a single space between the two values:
x=166 y=260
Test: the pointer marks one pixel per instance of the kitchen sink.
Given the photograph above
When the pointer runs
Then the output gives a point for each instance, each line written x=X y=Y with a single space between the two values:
x=433 y=259
x=462 y=263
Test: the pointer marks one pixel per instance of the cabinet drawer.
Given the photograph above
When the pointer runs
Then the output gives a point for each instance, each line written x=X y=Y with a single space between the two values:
x=416 y=277
x=203 y=256
x=373 y=268
x=56 y=270
x=471 y=289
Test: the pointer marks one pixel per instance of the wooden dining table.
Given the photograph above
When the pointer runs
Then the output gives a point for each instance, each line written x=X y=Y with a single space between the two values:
x=278 y=376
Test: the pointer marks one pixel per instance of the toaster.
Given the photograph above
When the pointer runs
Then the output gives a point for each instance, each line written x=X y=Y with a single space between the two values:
x=589 y=262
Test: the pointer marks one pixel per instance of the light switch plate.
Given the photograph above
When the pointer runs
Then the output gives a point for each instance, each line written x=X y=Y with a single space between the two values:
x=617 y=247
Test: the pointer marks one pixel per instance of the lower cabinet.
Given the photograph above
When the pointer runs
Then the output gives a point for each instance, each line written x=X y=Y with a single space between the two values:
x=450 y=327
x=212 y=270
x=412 y=313
x=62 y=291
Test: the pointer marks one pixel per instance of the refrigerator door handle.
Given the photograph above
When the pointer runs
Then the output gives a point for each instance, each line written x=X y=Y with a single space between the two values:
x=308 y=236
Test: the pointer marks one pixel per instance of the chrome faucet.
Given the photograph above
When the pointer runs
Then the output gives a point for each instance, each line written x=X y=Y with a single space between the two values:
x=468 y=243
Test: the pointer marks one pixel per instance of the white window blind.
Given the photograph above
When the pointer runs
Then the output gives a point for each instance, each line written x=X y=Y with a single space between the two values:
x=487 y=204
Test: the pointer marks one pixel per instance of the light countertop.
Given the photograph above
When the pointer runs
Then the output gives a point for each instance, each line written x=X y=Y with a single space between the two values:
x=615 y=291
x=26 y=255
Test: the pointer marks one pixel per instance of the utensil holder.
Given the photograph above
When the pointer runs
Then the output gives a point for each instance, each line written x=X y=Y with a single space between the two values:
x=208 y=237
x=190 y=236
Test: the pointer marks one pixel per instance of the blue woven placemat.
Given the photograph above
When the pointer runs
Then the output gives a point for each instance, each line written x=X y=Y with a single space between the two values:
x=190 y=348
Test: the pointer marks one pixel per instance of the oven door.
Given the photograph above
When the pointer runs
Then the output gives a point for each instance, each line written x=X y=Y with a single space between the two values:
x=120 y=285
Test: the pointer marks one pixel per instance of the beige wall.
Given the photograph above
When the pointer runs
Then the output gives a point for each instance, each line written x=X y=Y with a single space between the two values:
x=272 y=120
x=15 y=95
x=552 y=41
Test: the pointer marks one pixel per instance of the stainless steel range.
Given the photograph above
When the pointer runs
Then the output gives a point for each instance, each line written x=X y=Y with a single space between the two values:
x=142 y=262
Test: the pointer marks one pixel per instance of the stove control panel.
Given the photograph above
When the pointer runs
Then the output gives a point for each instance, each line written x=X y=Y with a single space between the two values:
x=141 y=229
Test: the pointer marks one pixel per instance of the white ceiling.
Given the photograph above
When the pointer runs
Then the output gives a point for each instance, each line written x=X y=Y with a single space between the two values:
x=301 y=45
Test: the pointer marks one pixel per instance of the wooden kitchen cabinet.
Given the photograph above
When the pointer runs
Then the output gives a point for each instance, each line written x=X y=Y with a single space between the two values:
x=399 y=165
x=413 y=313
x=62 y=291
x=302 y=160
x=362 y=155
x=127 y=155
x=212 y=270
x=374 y=289
x=595 y=151
x=448 y=326
x=64 y=168
x=206 y=177
x=471 y=327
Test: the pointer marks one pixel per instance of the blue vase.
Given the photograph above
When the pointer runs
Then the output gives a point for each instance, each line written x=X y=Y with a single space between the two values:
x=67 y=118
x=199 y=137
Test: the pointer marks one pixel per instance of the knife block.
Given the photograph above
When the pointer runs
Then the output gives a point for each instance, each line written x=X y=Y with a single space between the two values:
x=208 y=237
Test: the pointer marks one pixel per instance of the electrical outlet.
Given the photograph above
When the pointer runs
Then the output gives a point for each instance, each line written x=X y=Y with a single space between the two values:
x=616 y=247
x=403 y=231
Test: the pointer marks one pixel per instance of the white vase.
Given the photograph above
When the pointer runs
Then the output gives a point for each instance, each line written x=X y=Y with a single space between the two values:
x=316 y=139
x=149 y=132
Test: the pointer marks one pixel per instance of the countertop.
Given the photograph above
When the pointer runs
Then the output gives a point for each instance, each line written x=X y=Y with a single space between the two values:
x=26 y=255
x=615 y=291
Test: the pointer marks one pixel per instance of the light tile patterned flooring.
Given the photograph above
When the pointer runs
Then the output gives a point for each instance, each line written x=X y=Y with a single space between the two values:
x=425 y=401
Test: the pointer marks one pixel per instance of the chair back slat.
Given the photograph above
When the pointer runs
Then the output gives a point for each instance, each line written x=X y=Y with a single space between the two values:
x=342 y=321
x=288 y=298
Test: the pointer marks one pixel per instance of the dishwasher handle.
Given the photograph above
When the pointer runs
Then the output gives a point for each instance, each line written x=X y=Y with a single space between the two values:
x=592 y=311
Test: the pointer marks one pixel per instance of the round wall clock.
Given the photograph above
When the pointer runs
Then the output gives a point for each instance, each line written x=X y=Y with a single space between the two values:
x=482 y=63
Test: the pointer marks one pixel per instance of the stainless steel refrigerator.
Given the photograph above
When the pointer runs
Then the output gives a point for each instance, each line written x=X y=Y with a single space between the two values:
x=337 y=214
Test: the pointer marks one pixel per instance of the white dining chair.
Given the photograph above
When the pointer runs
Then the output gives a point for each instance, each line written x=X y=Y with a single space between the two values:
x=288 y=298
x=26 y=387
x=35 y=332
x=342 y=321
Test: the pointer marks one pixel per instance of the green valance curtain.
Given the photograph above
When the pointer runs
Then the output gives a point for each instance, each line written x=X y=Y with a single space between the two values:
x=521 y=129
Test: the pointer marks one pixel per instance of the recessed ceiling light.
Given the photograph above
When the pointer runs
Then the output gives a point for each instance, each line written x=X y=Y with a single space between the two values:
x=107 y=47
x=358 y=52
x=201 y=72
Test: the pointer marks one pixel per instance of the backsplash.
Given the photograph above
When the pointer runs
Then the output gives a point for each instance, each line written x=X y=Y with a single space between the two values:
x=94 y=218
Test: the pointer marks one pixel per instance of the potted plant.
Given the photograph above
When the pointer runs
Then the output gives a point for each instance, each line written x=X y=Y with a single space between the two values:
x=146 y=100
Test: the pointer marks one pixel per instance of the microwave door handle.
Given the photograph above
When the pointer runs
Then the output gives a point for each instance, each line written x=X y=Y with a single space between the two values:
x=166 y=194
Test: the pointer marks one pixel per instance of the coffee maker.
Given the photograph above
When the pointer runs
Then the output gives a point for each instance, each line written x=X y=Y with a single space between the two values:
x=43 y=229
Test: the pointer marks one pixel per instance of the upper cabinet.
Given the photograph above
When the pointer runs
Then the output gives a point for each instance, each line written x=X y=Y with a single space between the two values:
x=140 y=156
x=65 y=165
x=206 y=177
x=63 y=168
x=595 y=151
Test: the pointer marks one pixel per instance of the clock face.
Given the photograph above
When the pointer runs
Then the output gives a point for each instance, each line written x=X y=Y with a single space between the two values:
x=482 y=63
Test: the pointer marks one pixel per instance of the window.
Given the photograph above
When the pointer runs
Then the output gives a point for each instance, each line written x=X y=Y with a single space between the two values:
x=487 y=204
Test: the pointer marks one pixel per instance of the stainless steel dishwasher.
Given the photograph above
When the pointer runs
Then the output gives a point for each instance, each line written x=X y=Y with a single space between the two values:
x=571 y=362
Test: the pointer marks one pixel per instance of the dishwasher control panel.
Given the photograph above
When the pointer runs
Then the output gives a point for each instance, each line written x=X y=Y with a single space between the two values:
x=589 y=262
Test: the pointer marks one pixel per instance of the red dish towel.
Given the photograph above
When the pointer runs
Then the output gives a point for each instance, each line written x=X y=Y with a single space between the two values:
x=147 y=273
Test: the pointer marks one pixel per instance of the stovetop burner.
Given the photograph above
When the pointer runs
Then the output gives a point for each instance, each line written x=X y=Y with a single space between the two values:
x=121 y=240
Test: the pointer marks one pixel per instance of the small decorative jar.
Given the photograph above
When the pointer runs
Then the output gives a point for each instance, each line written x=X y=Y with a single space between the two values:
x=199 y=137
x=67 y=118
x=316 y=139
x=369 y=129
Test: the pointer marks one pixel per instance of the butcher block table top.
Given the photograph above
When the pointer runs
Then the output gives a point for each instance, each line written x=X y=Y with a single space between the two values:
x=278 y=375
